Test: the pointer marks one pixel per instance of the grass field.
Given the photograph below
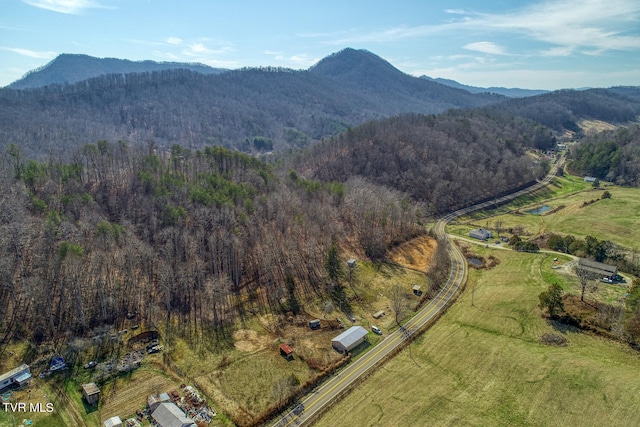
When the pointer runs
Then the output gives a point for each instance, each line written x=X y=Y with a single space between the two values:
x=616 y=219
x=484 y=364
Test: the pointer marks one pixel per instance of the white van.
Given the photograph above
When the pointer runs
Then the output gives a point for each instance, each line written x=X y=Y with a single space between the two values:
x=376 y=330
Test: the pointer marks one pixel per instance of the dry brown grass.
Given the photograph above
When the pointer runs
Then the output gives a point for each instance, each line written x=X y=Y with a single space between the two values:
x=414 y=254
x=126 y=395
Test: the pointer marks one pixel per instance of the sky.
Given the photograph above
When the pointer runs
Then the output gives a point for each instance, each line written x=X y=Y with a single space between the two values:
x=533 y=44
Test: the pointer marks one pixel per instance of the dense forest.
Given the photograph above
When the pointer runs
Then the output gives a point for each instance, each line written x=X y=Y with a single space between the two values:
x=612 y=155
x=447 y=161
x=202 y=237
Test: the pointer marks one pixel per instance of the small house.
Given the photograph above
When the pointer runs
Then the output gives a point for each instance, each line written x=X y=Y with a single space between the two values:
x=314 y=324
x=113 y=422
x=481 y=234
x=286 y=351
x=349 y=339
x=167 y=414
x=91 y=393
x=351 y=263
x=589 y=179
x=18 y=376
x=417 y=290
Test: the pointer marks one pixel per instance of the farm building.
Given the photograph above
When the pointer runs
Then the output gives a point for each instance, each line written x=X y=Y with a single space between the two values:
x=286 y=351
x=417 y=290
x=378 y=314
x=167 y=414
x=91 y=393
x=481 y=234
x=349 y=339
x=18 y=376
x=598 y=269
x=113 y=422
x=589 y=179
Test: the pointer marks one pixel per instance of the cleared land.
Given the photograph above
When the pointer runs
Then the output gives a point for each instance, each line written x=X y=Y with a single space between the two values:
x=485 y=364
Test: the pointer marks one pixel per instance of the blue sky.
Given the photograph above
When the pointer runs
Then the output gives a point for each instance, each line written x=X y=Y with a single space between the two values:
x=528 y=44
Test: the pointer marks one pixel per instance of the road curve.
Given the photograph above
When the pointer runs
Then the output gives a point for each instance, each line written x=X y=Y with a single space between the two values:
x=313 y=404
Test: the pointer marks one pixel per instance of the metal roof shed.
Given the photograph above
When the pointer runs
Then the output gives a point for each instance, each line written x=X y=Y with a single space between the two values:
x=169 y=415
x=349 y=339
x=113 y=422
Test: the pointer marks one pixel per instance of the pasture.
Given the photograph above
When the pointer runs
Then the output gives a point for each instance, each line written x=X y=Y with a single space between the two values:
x=484 y=364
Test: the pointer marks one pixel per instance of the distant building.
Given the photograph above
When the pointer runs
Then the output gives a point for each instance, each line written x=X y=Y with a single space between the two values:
x=349 y=339
x=113 y=422
x=167 y=414
x=417 y=290
x=91 y=393
x=598 y=269
x=18 y=376
x=589 y=179
x=481 y=234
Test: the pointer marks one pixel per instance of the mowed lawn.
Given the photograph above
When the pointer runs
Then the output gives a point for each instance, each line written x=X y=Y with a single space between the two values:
x=484 y=365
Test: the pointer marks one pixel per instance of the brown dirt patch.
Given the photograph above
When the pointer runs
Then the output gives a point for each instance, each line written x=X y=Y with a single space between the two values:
x=249 y=341
x=415 y=254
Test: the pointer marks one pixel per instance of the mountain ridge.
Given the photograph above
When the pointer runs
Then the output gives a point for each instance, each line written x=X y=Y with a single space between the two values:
x=70 y=68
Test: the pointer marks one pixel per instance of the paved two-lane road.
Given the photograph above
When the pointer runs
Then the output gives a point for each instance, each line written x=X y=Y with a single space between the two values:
x=314 y=403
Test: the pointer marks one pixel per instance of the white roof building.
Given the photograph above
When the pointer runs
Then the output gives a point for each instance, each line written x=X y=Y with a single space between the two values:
x=167 y=414
x=113 y=422
x=349 y=339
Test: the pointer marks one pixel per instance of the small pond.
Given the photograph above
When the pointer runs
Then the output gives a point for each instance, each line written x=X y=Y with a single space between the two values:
x=475 y=261
x=538 y=211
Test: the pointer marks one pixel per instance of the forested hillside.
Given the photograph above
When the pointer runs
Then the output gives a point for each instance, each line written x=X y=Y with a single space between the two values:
x=70 y=68
x=202 y=237
x=252 y=110
x=610 y=155
x=564 y=109
x=448 y=161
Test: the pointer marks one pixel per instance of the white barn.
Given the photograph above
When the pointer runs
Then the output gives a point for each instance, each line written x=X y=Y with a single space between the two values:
x=349 y=339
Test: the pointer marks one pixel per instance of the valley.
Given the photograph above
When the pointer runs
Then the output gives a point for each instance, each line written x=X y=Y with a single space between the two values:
x=200 y=237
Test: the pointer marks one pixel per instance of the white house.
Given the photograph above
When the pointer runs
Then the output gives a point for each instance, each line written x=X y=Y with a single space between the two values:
x=481 y=234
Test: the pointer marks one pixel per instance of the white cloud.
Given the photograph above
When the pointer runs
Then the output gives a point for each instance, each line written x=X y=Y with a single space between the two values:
x=64 y=6
x=174 y=40
x=588 y=26
x=565 y=26
x=485 y=47
x=31 y=53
